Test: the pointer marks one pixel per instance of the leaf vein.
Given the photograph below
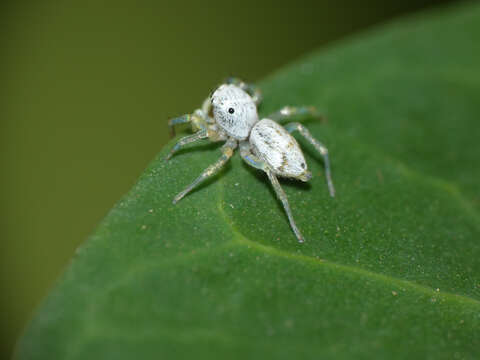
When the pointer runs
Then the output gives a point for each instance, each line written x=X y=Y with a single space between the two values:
x=402 y=283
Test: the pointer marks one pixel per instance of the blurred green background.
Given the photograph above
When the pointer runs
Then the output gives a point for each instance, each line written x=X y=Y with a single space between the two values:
x=86 y=90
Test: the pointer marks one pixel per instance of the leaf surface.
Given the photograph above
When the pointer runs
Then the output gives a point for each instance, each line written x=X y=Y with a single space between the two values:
x=390 y=267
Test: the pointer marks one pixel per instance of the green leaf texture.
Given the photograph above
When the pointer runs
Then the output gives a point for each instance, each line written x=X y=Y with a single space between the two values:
x=390 y=267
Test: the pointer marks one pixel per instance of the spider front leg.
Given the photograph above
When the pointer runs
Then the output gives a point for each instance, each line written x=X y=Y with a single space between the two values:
x=202 y=134
x=288 y=112
x=252 y=90
x=257 y=163
x=184 y=119
x=291 y=127
x=227 y=150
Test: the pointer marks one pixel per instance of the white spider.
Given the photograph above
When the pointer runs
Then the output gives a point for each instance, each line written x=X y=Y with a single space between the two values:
x=230 y=115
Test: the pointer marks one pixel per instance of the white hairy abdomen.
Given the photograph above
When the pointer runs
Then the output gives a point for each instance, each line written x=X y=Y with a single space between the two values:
x=274 y=145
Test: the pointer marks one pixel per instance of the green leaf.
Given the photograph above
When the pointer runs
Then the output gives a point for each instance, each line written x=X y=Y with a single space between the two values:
x=390 y=267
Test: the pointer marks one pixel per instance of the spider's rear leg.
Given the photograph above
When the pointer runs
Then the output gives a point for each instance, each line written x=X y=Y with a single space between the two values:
x=283 y=198
x=202 y=134
x=257 y=163
x=291 y=127
x=228 y=150
x=288 y=112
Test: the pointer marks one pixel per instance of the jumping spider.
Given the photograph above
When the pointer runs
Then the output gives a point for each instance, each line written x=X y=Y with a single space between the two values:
x=230 y=115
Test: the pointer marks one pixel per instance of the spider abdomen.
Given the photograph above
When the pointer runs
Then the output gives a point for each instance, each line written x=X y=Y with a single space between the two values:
x=274 y=145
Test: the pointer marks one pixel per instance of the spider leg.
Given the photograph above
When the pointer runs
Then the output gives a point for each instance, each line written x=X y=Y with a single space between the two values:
x=288 y=112
x=184 y=119
x=283 y=198
x=257 y=163
x=294 y=126
x=252 y=90
x=250 y=158
x=227 y=150
x=202 y=134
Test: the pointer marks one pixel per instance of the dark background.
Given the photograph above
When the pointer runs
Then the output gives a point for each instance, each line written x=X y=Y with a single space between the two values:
x=86 y=90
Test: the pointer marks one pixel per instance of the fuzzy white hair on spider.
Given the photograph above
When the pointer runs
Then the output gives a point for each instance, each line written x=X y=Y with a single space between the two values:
x=230 y=115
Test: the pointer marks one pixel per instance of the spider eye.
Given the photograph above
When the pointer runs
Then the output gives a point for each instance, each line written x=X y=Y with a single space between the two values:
x=231 y=110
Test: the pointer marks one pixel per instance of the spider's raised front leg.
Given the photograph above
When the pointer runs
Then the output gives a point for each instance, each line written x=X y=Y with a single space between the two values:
x=288 y=112
x=291 y=127
x=251 y=90
x=227 y=150
x=257 y=163
x=202 y=134
x=184 y=119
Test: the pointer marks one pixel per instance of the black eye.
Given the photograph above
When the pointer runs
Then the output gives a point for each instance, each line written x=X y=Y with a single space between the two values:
x=231 y=110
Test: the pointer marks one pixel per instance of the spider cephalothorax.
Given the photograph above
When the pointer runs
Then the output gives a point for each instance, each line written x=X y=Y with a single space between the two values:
x=234 y=111
x=230 y=115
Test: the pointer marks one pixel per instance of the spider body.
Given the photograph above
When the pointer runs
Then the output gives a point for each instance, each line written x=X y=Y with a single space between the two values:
x=264 y=144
